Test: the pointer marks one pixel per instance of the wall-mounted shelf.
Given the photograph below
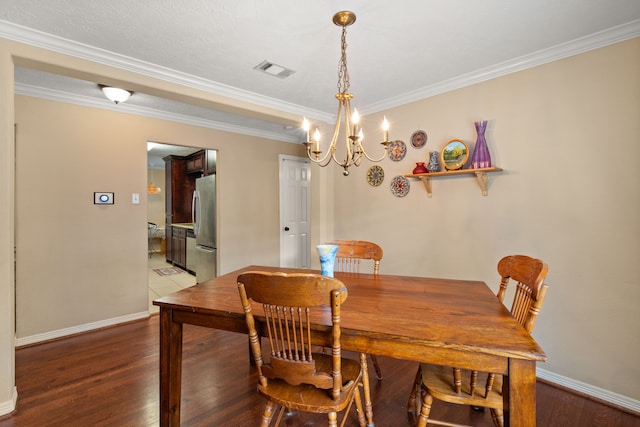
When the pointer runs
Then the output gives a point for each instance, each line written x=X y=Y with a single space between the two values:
x=481 y=175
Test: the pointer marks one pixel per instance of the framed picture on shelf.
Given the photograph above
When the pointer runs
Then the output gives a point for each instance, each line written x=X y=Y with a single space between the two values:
x=454 y=154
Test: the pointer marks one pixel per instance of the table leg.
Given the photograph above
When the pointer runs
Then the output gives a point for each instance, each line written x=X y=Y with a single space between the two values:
x=368 y=407
x=170 y=368
x=519 y=394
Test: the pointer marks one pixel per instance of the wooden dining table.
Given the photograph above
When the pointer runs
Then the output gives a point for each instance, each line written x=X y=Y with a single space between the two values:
x=442 y=321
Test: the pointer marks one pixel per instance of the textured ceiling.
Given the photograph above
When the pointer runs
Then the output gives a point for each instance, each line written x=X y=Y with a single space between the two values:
x=398 y=52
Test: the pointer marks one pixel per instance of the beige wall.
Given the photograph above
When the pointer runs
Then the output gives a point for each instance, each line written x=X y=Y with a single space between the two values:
x=565 y=196
x=92 y=259
x=567 y=135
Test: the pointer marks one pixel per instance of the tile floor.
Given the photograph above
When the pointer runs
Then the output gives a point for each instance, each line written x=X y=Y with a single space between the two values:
x=160 y=286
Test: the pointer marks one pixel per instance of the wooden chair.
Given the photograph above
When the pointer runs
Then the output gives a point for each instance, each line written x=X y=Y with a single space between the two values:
x=348 y=257
x=290 y=375
x=446 y=383
x=351 y=252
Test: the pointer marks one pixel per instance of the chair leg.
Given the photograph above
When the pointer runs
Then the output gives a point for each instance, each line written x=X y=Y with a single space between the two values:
x=359 y=410
x=498 y=417
x=268 y=414
x=374 y=360
x=425 y=411
x=333 y=419
x=414 y=398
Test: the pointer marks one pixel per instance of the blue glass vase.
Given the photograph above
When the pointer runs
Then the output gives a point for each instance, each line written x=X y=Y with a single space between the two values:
x=327 y=258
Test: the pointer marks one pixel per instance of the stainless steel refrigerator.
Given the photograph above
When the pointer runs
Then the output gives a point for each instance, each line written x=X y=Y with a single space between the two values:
x=203 y=215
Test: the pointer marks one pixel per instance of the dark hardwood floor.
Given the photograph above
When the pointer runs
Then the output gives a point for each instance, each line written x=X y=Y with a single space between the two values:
x=110 y=378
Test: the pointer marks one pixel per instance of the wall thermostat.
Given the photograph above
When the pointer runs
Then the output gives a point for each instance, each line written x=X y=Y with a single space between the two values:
x=102 y=198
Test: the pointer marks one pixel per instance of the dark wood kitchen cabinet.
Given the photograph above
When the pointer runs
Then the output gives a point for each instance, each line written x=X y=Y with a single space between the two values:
x=196 y=162
x=179 y=187
x=179 y=247
x=201 y=162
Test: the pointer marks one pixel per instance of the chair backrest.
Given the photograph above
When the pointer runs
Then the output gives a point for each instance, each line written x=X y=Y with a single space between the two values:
x=350 y=252
x=529 y=274
x=289 y=304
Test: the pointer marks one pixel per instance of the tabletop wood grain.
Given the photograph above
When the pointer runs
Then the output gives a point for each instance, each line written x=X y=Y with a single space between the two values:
x=445 y=313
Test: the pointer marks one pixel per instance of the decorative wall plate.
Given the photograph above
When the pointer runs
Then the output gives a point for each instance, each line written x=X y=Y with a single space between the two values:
x=375 y=175
x=399 y=186
x=454 y=155
x=419 y=139
x=397 y=150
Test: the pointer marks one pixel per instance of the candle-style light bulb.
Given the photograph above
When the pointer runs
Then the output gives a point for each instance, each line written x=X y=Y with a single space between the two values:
x=305 y=126
x=385 y=128
x=316 y=137
x=360 y=135
x=355 y=118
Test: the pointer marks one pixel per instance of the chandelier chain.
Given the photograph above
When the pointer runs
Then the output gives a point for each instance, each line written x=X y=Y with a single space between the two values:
x=343 y=71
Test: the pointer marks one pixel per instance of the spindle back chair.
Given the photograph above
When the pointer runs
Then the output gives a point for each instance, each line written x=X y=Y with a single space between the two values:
x=350 y=254
x=460 y=386
x=291 y=376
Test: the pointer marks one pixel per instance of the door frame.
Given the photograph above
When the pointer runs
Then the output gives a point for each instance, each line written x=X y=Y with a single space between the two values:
x=281 y=178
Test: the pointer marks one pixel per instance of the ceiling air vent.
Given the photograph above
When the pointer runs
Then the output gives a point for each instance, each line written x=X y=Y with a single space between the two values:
x=273 y=69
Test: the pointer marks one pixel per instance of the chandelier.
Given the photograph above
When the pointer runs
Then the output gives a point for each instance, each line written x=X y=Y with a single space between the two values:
x=352 y=131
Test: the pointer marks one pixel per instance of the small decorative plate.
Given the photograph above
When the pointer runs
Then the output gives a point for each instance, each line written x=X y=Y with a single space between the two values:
x=397 y=150
x=375 y=175
x=419 y=139
x=399 y=186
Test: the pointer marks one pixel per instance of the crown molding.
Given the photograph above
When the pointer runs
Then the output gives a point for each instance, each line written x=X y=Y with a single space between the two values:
x=43 y=40
x=87 y=101
x=561 y=51
x=28 y=36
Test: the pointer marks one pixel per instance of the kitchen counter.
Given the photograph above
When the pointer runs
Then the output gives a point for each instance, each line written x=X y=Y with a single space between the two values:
x=187 y=225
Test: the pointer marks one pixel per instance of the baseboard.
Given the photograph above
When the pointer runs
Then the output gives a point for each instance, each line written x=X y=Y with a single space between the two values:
x=47 y=336
x=590 y=390
x=10 y=405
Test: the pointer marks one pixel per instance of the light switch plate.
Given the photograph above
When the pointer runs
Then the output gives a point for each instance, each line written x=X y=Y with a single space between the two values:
x=135 y=198
x=103 y=198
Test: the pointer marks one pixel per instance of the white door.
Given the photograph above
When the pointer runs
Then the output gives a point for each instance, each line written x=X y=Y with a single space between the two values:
x=295 y=203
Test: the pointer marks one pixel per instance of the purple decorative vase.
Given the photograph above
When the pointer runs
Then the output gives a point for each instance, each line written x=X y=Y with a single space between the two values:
x=481 y=157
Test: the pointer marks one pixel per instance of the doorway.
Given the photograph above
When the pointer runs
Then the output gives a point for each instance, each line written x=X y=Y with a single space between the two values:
x=164 y=277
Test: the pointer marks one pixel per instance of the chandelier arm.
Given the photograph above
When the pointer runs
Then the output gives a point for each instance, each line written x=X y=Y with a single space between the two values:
x=386 y=145
x=342 y=109
x=318 y=160
x=328 y=157
x=357 y=160
x=315 y=158
x=346 y=101
x=347 y=116
x=336 y=129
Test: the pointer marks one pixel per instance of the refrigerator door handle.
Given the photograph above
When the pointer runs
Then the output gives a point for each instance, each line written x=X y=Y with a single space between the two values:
x=195 y=212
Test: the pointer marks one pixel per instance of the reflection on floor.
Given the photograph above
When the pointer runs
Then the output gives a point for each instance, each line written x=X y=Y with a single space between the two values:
x=160 y=286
